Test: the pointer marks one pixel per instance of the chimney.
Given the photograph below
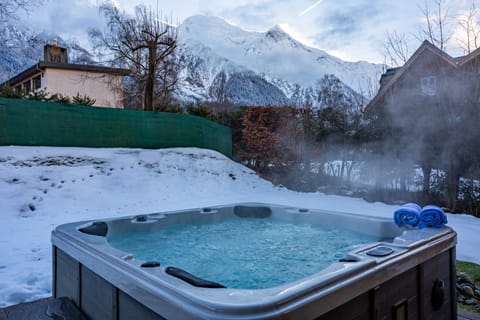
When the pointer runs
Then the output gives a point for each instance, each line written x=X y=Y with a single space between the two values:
x=54 y=53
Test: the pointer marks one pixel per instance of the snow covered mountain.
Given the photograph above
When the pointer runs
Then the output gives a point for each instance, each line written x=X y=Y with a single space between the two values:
x=22 y=47
x=222 y=62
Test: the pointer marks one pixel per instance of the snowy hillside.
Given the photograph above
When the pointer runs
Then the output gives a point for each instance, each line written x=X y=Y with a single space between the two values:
x=41 y=188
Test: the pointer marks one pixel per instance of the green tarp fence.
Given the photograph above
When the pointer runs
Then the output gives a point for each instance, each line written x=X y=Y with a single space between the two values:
x=34 y=123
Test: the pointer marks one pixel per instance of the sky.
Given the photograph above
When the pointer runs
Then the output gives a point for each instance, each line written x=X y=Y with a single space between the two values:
x=351 y=30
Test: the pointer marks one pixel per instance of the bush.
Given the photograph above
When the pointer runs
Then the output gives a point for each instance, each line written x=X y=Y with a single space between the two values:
x=58 y=98
x=202 y=111
x=40 y=95
x=9 y=92
x=170 y=108
x=83 y=100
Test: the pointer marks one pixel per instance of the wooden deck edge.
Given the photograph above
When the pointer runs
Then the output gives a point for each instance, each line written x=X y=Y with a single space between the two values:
x=42 y=309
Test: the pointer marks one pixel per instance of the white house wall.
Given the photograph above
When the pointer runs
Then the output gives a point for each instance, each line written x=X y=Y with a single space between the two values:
x=104 y=88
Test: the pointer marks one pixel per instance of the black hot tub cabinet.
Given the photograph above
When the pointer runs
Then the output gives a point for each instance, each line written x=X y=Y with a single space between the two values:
x=409 y=276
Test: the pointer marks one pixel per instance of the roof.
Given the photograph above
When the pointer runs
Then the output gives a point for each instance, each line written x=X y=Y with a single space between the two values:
x=398 y=74
x=42 y=65
x=472 y=55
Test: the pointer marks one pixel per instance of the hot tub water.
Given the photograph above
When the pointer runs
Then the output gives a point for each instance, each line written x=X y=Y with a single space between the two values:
x=245 y=253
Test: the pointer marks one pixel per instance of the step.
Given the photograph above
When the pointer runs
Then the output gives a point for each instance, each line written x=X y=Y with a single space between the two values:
x=43 y=309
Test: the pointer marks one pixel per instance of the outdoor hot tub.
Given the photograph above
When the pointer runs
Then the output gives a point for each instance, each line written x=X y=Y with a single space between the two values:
x=255 y=261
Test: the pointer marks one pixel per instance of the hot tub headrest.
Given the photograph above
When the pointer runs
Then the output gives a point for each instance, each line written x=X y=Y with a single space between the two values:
x=252 y=212
x=97 y=228
x=190 y=278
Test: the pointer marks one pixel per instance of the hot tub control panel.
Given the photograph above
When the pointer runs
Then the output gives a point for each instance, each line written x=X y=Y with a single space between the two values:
x=381 y=251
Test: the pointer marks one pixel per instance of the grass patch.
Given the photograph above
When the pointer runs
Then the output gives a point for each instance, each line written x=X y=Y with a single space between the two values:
x=473 y=270
x=466 y=308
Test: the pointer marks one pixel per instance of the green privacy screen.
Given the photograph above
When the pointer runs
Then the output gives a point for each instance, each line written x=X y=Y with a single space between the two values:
x=33 y=123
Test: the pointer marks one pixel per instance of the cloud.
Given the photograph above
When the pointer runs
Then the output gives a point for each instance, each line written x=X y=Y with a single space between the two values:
x=357 y=29
x=347 y=21
x=354 y=28
x=69 y=19
x=261 y=15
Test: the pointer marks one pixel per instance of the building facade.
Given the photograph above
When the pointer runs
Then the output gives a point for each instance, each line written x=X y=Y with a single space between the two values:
x=54 y=75
x=430 y=77
x=428 y=111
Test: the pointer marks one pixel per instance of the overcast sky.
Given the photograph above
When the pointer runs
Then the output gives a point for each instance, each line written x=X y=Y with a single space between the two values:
x=349 y=29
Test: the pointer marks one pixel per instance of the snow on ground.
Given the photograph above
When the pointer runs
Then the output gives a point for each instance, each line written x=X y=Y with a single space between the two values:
x=43 y=187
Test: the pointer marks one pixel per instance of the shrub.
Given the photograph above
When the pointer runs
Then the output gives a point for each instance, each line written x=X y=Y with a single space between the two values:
x=83 y=100
x=169 y=108
x=58 y=98
x=202 y=111
x=39 y=95
x=9 y=92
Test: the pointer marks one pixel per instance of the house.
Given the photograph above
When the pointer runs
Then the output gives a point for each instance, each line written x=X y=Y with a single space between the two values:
x=55 y=75
x=430 y=77
x=429 y=112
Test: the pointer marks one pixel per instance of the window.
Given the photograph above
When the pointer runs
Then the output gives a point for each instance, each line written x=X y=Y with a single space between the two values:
x=27 y=86
x=429 y=85
x=37 y=83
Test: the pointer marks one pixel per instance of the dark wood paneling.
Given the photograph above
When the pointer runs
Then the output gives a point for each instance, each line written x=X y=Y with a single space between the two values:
x=397 y=298
x=437 y=269
x=98 y=297
x=67 y=277
x=356 y=309
x=129 y=308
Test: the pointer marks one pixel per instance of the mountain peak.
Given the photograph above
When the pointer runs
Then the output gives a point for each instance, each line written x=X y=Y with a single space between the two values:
x=205 y=20
x=210 y=30
x=274 y=53
x=277 y=28
x=202 y=24
x=277 y=34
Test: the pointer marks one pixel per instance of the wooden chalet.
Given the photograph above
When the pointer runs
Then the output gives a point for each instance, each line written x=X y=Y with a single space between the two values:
x=431 y=80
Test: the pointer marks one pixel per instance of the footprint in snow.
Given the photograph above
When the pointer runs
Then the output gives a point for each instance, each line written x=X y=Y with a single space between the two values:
x=14 y=180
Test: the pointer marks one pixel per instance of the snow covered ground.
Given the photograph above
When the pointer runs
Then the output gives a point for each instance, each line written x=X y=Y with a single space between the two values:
x=42 y=187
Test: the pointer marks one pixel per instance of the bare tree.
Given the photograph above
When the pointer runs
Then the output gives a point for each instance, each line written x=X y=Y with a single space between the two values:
x=168 y=78
x=145 y=44
x=470 y=27
x=368 y=88
x=396 y=48
x=437 y=28
x=9 y=8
